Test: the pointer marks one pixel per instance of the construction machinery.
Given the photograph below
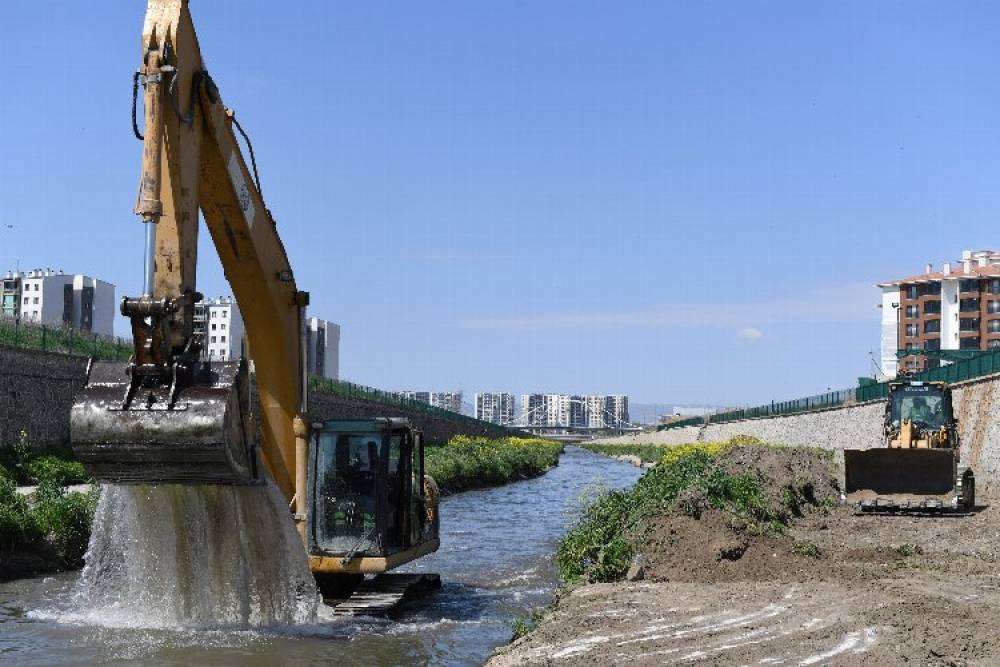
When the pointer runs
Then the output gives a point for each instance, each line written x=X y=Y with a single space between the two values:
x=358 y=492
x=918 y=468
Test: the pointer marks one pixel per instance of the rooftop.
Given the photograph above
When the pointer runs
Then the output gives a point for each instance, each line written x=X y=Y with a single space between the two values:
x=974 y=264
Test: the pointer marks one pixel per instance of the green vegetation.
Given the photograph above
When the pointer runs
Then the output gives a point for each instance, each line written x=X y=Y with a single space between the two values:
x=688 y=480
x=807 y=548
x=65 y=340
x=648 y=453
x=525 y=624
x=21 y=465
x=50 y=530
x=473 y=462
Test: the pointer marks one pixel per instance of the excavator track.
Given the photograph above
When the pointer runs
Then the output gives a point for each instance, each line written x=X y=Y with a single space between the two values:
x=381 y=594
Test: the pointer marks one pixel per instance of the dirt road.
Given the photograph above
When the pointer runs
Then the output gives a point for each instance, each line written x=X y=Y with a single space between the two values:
x=883 y=590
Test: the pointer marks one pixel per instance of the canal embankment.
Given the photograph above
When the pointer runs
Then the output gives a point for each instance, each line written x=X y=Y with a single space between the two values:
x=731 y=554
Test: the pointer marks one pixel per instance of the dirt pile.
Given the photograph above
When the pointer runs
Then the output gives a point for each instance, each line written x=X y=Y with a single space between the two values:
x=740 y=531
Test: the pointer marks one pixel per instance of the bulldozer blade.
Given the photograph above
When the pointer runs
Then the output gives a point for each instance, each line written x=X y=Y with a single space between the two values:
x=900 y=478
x=206 y=436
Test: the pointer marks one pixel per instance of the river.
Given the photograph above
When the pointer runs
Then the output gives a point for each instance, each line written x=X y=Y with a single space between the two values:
x=495 y=563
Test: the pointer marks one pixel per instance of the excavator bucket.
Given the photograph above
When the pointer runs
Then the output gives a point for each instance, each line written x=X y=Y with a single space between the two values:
x=202 y=433
x=890 y=478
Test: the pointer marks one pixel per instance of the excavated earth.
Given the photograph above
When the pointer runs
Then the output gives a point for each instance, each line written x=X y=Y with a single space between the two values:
x=839 y=589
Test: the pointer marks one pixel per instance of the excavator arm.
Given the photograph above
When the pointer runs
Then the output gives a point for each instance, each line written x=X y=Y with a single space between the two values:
x=169 y=416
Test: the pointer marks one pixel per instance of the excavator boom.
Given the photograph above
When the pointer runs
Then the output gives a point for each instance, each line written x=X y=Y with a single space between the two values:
x=171 y=416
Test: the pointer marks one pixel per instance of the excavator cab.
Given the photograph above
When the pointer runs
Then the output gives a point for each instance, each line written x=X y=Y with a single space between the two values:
x=373 y=508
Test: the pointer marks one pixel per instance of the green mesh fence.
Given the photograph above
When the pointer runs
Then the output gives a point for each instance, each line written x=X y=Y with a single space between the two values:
x=981 y=365
x=16 y=333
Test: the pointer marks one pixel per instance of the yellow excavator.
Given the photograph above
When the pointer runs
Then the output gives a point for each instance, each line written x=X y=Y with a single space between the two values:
x=357 y=489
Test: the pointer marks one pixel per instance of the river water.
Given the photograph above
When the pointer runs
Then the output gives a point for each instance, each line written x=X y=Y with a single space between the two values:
x=495 y=564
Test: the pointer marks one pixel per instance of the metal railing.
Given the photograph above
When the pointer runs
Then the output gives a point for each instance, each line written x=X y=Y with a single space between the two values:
x=65 y=340
x=987 y=363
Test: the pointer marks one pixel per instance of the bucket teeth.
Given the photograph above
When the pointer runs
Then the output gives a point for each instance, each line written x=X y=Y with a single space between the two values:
x=203 y=435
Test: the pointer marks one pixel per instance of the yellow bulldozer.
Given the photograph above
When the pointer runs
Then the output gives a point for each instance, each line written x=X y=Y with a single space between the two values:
x=918 y=468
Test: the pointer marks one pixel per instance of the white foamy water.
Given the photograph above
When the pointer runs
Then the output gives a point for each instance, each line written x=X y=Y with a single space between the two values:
x=194 y=556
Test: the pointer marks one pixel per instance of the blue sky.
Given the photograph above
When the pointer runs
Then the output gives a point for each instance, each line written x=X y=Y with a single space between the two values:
x=686 y=202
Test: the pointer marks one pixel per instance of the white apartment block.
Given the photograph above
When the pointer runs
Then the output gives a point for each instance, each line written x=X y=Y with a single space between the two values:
x=60 y=299
x=495 y=407
x=956 y=308
x=323 y=348
x=220 y=324
x=448 y=400
x=568 y=411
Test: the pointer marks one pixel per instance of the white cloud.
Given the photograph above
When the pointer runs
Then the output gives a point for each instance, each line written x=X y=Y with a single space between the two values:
x=749 y=333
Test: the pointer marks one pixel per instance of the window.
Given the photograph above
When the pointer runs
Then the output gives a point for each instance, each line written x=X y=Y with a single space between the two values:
x=222 y=354
x=222 y=339
x=223 y=326
x=969 y=285
x=213 y=339
x=225 y=313
x=968 y=305
x=912 y=291
x=932 y=344
x=26 y=301
x=993 y=326
x=213 y=326
x=212 y=313
x=994 y=287
x=932 y=307
x=211 y=353
x=968 y=324
x=913 y=311
x=934 y=326
x=969 y=343
x=993 y=344
x=911 y=329
x=36 y=300
x=993 y=306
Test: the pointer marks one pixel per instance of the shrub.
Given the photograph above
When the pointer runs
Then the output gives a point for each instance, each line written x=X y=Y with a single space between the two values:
x=18 y=525
x=64 y=519
x=467 y=462
x=59 y=471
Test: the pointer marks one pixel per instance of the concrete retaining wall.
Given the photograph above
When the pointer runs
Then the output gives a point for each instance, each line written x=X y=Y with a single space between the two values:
x=860 y=427
x=36 y=394
x=37 y=390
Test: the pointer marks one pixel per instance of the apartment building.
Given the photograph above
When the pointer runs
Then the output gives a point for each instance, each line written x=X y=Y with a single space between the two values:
x=59 y=299
x=323 y=348
x=956 y=308
x=570 y=411
x=448 y=400
x=495 y=407
x=220 y=324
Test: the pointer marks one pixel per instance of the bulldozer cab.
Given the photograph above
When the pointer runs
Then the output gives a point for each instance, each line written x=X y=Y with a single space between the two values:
x=925 y=405
x=371 y=507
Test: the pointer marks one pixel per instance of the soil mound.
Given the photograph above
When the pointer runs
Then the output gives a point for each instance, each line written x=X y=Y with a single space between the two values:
x=768 y=489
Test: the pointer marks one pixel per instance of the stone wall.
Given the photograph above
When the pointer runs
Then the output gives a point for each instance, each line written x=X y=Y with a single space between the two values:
x=37 y=390
x=860 y=427
x=36 y=394
x=324 y=406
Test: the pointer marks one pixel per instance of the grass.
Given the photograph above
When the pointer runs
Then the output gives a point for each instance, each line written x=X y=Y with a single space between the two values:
x=466 y=462
x=62 y=339
x=647 y=453
x=600 y=547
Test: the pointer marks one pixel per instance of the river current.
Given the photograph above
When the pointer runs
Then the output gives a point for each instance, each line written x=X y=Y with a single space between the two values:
x=495 y=563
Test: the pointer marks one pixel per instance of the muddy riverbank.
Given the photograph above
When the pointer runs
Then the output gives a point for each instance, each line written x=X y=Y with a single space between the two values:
x=836 y=588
